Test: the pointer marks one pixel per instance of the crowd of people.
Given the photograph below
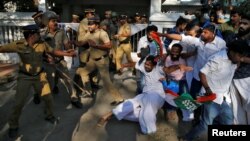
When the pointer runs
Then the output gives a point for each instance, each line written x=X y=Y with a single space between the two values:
x=202 y=57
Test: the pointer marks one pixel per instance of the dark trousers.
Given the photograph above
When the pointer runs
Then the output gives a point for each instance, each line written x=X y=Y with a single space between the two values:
x=194 y=91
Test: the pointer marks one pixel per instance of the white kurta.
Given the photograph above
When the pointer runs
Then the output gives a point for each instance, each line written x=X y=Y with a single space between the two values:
x=239 y=92
x=142 y=109
x=190 y=62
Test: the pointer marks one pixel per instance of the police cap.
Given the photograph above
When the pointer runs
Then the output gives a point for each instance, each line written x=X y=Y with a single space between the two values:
x=137 y=14
x=37 y=14
x=95 y=19
x=30 y=28
x=123 y=16
x=89 y=10
x=75 y=16
x=144 y=16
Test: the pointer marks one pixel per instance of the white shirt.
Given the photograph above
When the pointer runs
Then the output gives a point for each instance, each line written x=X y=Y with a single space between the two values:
x=187 y=49
x=204 y=50
x=219 y=71
x=143 y=43
x=177 y=74
x=151 y=79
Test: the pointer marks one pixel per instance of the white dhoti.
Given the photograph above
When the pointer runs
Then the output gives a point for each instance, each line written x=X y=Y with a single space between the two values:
x=142 y=109
x=240 y=95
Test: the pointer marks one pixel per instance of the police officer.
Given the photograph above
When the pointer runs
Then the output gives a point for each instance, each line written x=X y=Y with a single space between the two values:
x=57 y=66
x=137 y=18
x=144 y=19
x=31 y=73
x=82 y=30
x=111 y=24
x=84 y=50
x=38 y=19
x=75 y=19
x=125 y=46
x=100 y=45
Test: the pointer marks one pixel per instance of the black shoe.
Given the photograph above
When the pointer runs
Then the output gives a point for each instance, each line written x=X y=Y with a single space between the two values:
x=13 y=132
x=36 y=99
x=115 y=103
x=52 y=119
x=55 y=90
x=76 y=102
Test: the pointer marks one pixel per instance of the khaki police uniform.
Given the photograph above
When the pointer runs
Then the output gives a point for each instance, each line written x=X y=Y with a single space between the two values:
x=124 y=47
x=58 y=69
x=112 y=29
x=82 y=31
x=30 y=74
x=99 y=60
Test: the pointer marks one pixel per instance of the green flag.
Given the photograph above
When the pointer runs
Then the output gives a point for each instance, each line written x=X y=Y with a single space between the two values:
x=185 y=101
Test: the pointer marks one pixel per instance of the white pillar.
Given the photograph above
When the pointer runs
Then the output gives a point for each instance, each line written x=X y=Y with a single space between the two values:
x=155 y=6
x=42 y=5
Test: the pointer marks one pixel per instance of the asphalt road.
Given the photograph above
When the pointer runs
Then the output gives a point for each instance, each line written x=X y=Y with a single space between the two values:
x=78 y=124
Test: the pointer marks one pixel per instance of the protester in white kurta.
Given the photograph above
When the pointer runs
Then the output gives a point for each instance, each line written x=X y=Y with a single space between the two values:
x=143 y=107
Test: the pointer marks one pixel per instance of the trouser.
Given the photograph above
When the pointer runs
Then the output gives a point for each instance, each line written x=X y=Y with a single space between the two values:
x=84 y=58
x=102 y=66
x=113 y=51
x=211 y=111
x=60 y=70
x=24 y=83
x=123 y=49
x=84 y=55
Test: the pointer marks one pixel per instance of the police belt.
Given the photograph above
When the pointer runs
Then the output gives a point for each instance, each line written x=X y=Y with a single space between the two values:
x=126 y=41
x=36 y=74
x=97 y=59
